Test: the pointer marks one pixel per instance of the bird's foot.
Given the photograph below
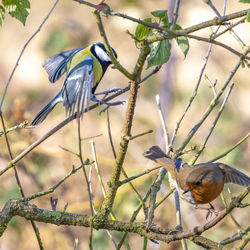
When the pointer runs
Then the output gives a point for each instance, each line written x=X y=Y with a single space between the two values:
x=107 y=92
x=109 y=104
x=210 y=211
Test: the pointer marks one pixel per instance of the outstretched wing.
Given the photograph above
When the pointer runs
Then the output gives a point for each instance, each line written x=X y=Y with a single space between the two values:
x=56 y=65
x=233 y=175
x=77 y=87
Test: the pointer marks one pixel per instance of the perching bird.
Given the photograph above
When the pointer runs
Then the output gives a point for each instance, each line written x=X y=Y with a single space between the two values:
x=201 y=183
x=84 y=68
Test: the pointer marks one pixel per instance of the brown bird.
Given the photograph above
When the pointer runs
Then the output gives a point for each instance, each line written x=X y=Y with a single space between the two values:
x=201 y=183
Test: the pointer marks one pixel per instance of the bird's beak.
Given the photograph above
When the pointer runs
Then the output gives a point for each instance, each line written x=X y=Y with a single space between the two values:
x=186 y=190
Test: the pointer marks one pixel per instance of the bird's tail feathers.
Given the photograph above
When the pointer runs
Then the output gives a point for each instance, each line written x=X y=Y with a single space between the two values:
x=154 y=153
x=40 y=117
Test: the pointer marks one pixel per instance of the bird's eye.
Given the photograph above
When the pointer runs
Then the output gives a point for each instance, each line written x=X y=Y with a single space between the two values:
x=198 y=183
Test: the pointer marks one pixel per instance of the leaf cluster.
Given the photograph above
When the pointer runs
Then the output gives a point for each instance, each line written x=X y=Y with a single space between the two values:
x=18 y=9
x=160 y=51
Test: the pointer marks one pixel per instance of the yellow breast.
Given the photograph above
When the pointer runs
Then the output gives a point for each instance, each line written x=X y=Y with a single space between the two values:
x=80 y=56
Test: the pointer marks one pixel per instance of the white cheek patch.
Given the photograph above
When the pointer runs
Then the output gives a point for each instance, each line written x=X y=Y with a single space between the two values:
x=102 y=54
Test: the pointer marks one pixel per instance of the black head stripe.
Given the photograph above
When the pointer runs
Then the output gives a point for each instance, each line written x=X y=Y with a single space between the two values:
x=100 y=53
x=99 y=47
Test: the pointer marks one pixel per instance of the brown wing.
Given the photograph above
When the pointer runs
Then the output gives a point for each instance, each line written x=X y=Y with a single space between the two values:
x=233 y=175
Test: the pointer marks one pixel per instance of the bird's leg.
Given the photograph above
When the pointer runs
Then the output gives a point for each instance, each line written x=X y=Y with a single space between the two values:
x=210 y=211
x=102 y=101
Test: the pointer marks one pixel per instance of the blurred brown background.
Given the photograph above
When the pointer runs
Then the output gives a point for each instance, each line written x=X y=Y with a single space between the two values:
x=71 y=26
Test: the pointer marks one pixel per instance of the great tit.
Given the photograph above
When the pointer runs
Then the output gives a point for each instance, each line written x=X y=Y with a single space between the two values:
x=84 y=69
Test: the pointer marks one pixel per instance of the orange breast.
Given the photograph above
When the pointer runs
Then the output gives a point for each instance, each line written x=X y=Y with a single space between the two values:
x=206 y=192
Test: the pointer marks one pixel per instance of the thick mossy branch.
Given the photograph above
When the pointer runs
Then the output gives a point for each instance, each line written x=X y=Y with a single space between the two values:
x=17 y=207
x=125 y=135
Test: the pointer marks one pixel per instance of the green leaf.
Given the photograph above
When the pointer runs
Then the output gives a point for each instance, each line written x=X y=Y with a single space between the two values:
x=248 y=16
x=141 y=30
x=18 y=9
x=159 y=53
x=245 y=1
x=2 y=15
x=162 y=16
x=182 y=41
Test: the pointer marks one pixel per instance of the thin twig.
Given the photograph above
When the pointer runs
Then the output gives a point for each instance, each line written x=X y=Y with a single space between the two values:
x=22 y=51
x=21 y=125
x=236 y=236
x=20 y=188
x=176 y=13
x=91 y=190
x=227 y=25
x=136 y=212
x=213 y=22
x=178 y=123
x=164 y=197
x=231 y=215
x=172 y=182
x=185 y=32
x=138 y=175
x=92 y=143
x=213 y=103
x=91 y=229
x=141 y=134
x=211 y=85
x=231 y=149
x=166 y=35
x=99 y=174
x=110 y=135
x=37 y=233
x=66 y=121
x=54 y=187
x=164 y=125
x=68 y=151
x=178 y=216
x=213 y=125
x=155 y=188
x=116 y=64
x=229 y=28
x=93 y=205
x=216 y=21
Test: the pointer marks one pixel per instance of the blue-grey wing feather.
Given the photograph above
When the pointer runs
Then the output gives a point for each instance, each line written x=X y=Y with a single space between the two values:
x=56 y=65
x=77 y=88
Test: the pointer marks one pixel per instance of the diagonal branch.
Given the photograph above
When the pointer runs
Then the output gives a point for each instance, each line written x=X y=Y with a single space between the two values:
x=21 y=54
x=12 y=163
